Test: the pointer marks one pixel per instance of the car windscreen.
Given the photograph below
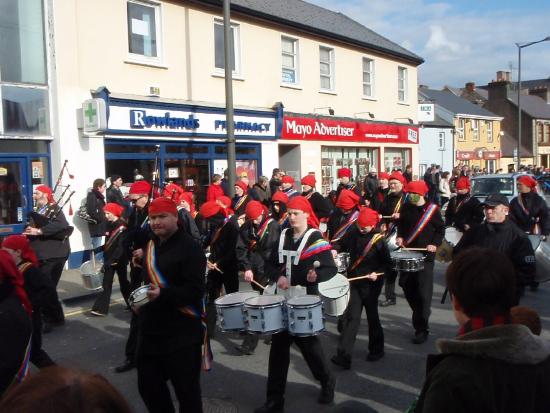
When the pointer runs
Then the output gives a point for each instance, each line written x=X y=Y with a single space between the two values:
x=488 y=186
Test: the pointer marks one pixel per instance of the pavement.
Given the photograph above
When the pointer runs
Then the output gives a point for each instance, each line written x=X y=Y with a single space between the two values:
x=237 y=383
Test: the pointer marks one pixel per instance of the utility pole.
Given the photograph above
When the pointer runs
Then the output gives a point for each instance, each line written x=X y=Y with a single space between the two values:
x=230 y=125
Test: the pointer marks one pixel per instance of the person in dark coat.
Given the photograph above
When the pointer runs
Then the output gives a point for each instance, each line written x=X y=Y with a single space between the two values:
x=381 y=192
x=463 y=211
x=344 y=215
x=170 y=330
x=114 y=194
x=408 y=175
x=241 y=198
x=278 y=209
x=187 y=215
x=275 y=181
x=258 y=238
x=502 y=235
x=370 y=185
x=15 y=325
x=50 y=242
x=420 y=225
x=287 y=187
x=369 y=256
x=320 y=205
x=37 y=286
x=262 y=191
x=492 y=365
x=344 y=175
x=95 y=201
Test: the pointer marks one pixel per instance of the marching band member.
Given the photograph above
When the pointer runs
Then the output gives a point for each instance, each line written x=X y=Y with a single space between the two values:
x=279 y=200
x=463 y=211
x=420 y=225
x=345 y=214
x=225 y=203
x=319 y=204
x=344 y=175
x=187 y=214
x=115 y=259
x=171 y=331
x=222 y=263
x=258 y=237
x=287 y=187
x=36 y=286
x=391 y=207
x=382 y=191
x=241 y=198
x=299 y=248
x=51 y=245
x=369 y=255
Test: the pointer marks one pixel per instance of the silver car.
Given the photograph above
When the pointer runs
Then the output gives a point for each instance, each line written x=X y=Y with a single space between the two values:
x=504 y=184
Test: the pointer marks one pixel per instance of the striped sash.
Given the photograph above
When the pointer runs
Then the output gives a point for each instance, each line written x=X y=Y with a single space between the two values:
x=421 y=224
x=284 y=219
x=113 y=236
x=24 y=266
x=396 y=210
x=261 y=233
x=315 y=248
x=535 y=229
x=23 y=371
x=240 y=202
x=218 y=232
x=343 y=229
x=368 y=247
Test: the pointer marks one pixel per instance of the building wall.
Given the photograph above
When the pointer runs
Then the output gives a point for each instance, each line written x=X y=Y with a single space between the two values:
x=430 y=150
x=465 y=141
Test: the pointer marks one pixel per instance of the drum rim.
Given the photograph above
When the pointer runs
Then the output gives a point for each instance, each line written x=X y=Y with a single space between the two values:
x=280 y=300
x=308 y=335
x=279 y=330
x=237 y=304
x=261 y=307
x=305 y=306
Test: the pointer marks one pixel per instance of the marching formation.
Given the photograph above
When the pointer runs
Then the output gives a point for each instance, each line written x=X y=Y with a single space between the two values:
x=304 y=255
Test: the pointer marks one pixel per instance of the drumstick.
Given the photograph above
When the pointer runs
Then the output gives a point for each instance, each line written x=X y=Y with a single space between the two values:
x=258 y=284
x=386 y=216
x=364 y=276
x=216 y=267
x=415 y=249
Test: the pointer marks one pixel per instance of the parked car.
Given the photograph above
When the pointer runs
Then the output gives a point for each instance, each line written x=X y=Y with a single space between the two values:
x=504 y=184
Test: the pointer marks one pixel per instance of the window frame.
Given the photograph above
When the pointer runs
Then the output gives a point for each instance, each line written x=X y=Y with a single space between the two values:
x=474 y=126
x=490 y=137
x=460 y=129
x=404 y=70
x=372 y=73
x=441 y=138
x=236 y=27
x=139 y=58
x=331 y=63
x=296 y=56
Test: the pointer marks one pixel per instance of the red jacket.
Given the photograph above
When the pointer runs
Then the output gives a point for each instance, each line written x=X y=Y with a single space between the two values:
x=213 y=192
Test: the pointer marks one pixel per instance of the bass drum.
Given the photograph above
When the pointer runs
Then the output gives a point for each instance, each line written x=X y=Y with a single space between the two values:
x=542 y=258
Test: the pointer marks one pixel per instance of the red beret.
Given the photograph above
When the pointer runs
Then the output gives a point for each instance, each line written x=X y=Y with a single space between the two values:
x=161 y=205
x=280 y=196
x=344 y=172
x=302 y=204
x=172 y=191
x=254 y=209
x=309 y=180
x=347 y=199
x=140 y=188
x=368 y=218
x=22 y=243
x=210 y=208
x=287 y=179
x=417 y=187
x=9 y=272
x=528 y=181
x=242 y=185
x=225 y=200
x=45 y=189
x=114 y=209
x=384 y=175
x=398 y=176
x=463 y=183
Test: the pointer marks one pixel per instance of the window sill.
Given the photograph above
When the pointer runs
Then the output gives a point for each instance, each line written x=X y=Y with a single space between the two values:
x=291 y=86
x=328 y=92
x=403 y=103
x=146 y=63
x=234 y=77
x=369 y=98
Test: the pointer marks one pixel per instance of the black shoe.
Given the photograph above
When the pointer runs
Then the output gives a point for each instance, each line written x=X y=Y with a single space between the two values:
x=127 y=366
x=244 y=349
x=341 y=361
x=375 y=356
x=387 y=303
x=267 y=340
x=327 y=391
x=420 y=337
x=271 y=406
x=340 y=324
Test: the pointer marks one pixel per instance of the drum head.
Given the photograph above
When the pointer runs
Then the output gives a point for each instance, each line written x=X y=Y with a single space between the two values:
x=235 y=298
x=336 y=287
x=452 y=235
x=304 y=300
x=404 y=255
x=139 y=294
x=264 y=300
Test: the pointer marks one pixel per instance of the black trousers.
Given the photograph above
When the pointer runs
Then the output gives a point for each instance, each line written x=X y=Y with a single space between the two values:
x=279 y=359
x=214 y=281
x=131 y=344
x=182 y=368
x=363 y=296
x=38 y=356
x=418 y=289
x=102 y=302
x=389 y=286
x=52 y=310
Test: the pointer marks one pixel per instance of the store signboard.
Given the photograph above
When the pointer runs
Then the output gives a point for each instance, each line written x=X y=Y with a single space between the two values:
x=323 y=129
x=426 y=112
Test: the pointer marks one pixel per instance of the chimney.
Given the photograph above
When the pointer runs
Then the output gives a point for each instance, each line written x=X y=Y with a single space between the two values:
x=470 y=87
x=498 y=90
x=503 y=76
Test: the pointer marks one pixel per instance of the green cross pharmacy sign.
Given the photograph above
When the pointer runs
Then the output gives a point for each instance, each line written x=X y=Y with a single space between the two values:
x=94 y=115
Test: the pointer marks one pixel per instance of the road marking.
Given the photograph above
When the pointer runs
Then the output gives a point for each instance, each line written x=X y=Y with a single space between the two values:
x=83 y=310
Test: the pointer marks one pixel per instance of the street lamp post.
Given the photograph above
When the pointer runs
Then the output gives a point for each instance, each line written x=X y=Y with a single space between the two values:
x=230 y=126
x=521 y=46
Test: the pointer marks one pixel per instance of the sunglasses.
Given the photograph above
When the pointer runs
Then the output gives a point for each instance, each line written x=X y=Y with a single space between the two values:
x=133 y=201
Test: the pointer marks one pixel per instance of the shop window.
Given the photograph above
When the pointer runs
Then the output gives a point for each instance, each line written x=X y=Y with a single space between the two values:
x=25 y=110
x=368 y=78
x=190 y=149
x=23 y=146
x=127 y=148
x=39 y=171
x=12 y=200
x=144 y=30
x=129 y=168
x=326 y=67
x=289 y=56
x=239 y=150
x=219 y=54
x=395 y=158
x=402 y=84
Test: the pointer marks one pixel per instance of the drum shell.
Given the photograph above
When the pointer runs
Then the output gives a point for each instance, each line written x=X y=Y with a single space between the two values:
x=140 y=292
x=335 y=307
x=542 y=258
x=305 y=316
x=410 y=262
x=232 y=315
x=265 y=314
x=92 y=277
x=335 y=293
x=342 y=262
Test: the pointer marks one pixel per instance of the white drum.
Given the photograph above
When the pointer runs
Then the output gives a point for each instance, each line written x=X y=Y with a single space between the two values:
x=138 y=297
x=342 y=262
x=452 y=235
x=265 y=314
x=305 y=316
x=230 y=309
x=335 y=293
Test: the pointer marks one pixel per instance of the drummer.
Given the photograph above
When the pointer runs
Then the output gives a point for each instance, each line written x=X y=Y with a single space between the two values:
x=420 y=225
x=381 y=192
x=278 y=209
x=390 y=209
x=307 y=260
x=463 y=211
x=258 y=238
x=321 y=206
x=344 y=215
x=369 y=256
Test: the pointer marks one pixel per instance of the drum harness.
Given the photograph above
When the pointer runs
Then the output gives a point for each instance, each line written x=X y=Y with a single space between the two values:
x=292 y=257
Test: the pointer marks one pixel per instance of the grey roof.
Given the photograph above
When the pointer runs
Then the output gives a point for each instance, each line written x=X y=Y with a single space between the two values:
x=534 y=84
x=534 y=106
x=455 y=104
x=321 y=21
x=437 y=122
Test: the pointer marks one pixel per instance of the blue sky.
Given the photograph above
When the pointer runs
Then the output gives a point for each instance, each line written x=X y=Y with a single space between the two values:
x=460 y=41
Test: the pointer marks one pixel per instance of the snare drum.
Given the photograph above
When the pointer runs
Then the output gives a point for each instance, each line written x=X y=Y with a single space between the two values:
x=335 y=293
x=305 y=316
x=265 y=314
x=407 y=261
x=138 y=297
x=342 y=262
x=230 y=309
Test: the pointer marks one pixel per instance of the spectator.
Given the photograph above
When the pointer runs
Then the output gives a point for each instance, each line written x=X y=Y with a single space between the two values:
x=260 y=191
x=275 y=181
x=215 y=189
x=444 y=188
x=370 y=185
x=114 y=194
x=492 y=365
x=95 y=201
x=408 y=173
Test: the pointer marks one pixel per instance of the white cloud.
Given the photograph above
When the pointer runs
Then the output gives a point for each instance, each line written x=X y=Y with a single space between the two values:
x=440 y=44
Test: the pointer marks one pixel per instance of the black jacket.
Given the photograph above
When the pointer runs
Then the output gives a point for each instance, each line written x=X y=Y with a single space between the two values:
x=95 y=201
x=163 y=327
x=189 y=224
x=114 y=194
x=114 y=251
x=262 y=195
x=432 y=234
x=53 y=243
x=274 y=185
x=242 y=207
x=537 y=213
x=320 y=205
x=254 y=254
x=388 y=205
x=506 y=238
x=371 y=186
x=222 y=248
x=37 y=285
x=336 y=220
x=138 y=230
x=464 y=210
